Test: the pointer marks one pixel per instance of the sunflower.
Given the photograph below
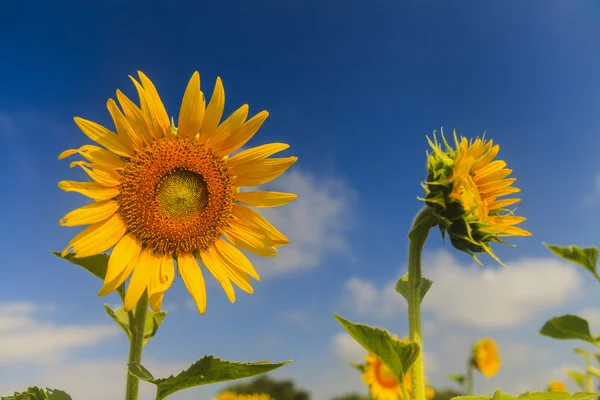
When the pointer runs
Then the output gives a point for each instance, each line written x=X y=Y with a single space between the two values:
x=463 y=187
x=485 y=357
x=164 y=194
x=383 y=384
x=235 y=396
x=557 y=386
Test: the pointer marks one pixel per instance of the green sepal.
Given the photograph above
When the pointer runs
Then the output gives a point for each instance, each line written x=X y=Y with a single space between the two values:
x=402 y=286
x=35 y=393
x=458 y=378
x=577 y=377
x=586 y=257
x=96 y=265
x=568 y=327
x=205 y=371
x=397 y=356
x=358 y=366
x=152 y=323
x=533 y=396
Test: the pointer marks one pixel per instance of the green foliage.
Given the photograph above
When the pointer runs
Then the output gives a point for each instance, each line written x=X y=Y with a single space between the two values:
x=578 y=377
x=397 y=356
x=35 y=393
x=278 y=390
x=458 y=378
x=97 y=265
x=153 y=321
x=352 y=396
x=359 y=367
x=568 y=327
x=533 y=396
x=446 y=394
x=586 y=257
x=402 y=286
x=205 y=371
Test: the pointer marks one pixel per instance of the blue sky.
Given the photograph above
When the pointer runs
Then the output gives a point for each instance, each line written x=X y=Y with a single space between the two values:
x=354 y=89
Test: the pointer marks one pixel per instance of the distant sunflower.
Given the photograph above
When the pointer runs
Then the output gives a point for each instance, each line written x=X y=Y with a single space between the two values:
x=165 y=193
x=463 y=186
x=485 y=357
x=557 y=386
x=235 y=396
x=383 y=384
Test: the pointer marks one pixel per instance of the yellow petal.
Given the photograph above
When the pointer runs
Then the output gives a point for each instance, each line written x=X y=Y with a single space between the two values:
x=125 y=131
x=90 y=214
x=160 y=113
x=93 y=190
x=230 y=125
x=193 y=279
x=192 y=109
x=503 y=203
x=136 y=117
x=96 y=155
x=140 y=278
x=97 y=174
x=219 y=273
x=103 y=136
x=257 y=222
x=240 y=137
x=214 y=112
x=160 y=281
x=249 y=240
x=262 y=171
x=265 y=199
x=97 y=237
x=121 y=262
x=230 y=255
x=255 y=154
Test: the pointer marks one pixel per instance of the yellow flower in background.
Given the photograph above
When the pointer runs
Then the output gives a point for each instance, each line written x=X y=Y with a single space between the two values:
x=235 y=396
x=164 y=193
x=382 y=382
x=463 y=187
x=485 y=357
x=557 y=386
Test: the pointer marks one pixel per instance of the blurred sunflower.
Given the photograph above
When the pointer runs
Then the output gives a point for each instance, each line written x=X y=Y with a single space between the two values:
x=485 y=357
x=235 y=396
x=557 y=386
x=165 y=193
x=383 y=384
x=463 y=186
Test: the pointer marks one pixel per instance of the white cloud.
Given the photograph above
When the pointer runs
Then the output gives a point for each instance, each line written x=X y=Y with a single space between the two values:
x=592 y=315
x=346 y=349
x=299 y=317
x=500 y=297
x=315 y=222
x=25 y=339
x=594 y=196
x=365 y=299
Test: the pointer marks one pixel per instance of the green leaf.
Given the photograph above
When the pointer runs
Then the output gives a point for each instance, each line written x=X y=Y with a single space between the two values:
x=568 y=327
x=578 y=377
x=594 y=371
x=35 y=393
x=402 y=286
x=597 y=357
x=533 y=396
x=458 y=378
x=359 y=367
x=397 y=356
x=96 y=264
x=586 y=257
x=581 y=352
x=153 y=321
x=120 y=317
x=205 y=371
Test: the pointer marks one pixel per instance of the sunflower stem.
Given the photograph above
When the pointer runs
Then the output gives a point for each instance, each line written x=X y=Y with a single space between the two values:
x=136 y=345
x=470 y=378
x=422 y=224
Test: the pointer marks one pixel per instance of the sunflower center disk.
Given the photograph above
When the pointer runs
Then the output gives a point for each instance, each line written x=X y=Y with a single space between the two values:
x=181 y=195
x=176 y=196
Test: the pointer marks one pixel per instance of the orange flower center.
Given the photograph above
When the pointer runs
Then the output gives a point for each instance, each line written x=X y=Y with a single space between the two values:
x=384 y=375
x=176 y=196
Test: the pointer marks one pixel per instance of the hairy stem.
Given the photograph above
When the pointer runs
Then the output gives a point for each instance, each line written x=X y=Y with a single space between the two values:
x=136 y=345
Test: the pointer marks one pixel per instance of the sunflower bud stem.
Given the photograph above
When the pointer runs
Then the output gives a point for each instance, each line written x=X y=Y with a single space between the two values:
x=136 y=345
x=422 y=224
x=470 y=378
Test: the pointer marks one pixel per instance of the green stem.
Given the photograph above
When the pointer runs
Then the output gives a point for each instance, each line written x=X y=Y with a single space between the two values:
x=404 y=391
x=136 y=345
x=588 y=376
x=470 y=378
x=423 y=222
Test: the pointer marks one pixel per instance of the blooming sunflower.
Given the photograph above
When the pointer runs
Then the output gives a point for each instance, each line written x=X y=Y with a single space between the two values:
x=463 y=187
x=235 y=396
x=383 y=384
x=166 y=194
x=485 y=357
x=557 y=386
